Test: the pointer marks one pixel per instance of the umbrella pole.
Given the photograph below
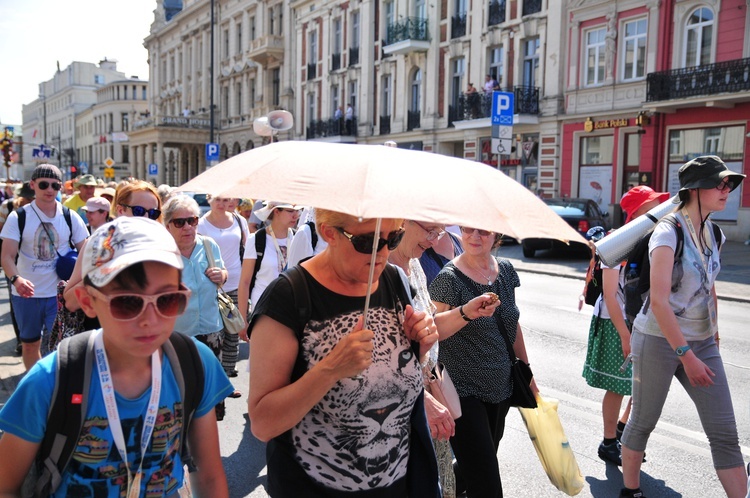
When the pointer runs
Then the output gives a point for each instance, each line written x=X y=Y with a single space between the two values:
x=375 y=241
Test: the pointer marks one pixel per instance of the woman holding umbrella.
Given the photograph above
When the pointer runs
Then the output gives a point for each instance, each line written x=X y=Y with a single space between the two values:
x=341 y=403
x=472 y=321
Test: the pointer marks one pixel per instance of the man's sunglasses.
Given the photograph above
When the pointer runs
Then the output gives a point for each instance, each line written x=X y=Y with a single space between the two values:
x=180 y=222
x=142 y=211
x=470 y=231
x=363 y=243
x=125 y=307
x=45 y=185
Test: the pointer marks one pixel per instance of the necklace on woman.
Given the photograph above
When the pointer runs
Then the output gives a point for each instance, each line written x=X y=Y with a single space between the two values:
x=486 y=277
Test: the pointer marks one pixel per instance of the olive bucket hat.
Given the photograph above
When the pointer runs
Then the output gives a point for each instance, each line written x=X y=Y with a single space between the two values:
x=705 y=172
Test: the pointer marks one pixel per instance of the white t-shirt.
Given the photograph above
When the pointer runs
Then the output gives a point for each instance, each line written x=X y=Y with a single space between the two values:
x=37 y=255
x=269 y=265
x=301 y=246
x=620 y=295
x=691 y=284
x=229 y=240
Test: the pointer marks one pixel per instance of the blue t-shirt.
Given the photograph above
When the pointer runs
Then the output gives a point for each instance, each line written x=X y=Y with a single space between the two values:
x=96 y=468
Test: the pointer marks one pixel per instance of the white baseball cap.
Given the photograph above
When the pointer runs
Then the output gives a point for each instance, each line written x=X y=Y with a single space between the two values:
x=124 y=242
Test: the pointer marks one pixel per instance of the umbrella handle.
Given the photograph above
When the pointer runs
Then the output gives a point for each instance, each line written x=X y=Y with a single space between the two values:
x=375 y=241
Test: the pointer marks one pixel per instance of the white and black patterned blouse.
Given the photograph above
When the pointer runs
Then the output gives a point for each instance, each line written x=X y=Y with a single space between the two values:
x=476 y=356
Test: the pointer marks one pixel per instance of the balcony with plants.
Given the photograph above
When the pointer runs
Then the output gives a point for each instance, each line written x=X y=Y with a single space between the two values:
x=408 y=35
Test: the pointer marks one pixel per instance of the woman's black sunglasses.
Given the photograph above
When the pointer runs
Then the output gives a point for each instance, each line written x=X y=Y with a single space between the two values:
x=45 y=185
x=363 y=243
x=180 y=222
x=142 y=211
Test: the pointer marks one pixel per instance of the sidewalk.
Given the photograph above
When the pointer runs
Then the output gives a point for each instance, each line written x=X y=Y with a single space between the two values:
x=733 y=283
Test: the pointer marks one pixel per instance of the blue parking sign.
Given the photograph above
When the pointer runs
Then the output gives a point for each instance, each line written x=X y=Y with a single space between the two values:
x=503 y=107
x=153 y=169
x=212 y=152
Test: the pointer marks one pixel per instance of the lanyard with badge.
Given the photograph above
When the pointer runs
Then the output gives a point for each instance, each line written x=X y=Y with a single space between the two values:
x=108 y=393
x=281 y=255
x=705 y=262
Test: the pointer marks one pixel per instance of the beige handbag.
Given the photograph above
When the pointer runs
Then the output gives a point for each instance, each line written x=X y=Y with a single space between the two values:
x=442 y=389
x=230 y=314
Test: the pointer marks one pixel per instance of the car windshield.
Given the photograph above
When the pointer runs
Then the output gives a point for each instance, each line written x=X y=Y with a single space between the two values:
x=201 y=199
x=563 y=203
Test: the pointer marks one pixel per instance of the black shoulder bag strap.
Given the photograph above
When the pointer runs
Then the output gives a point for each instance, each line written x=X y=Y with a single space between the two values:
x=260 y=248
x=242 y=237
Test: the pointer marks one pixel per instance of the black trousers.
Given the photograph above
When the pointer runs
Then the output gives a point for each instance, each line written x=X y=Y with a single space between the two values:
x=478 y=435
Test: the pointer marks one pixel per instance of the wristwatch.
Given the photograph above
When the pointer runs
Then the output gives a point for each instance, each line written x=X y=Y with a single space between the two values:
x=682 y=350
x=14 y=278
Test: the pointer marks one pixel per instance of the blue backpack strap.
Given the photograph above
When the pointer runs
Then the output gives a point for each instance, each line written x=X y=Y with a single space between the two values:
x=75 y=360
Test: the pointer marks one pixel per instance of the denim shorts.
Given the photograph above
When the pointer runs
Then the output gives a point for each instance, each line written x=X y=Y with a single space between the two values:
x=34 y=314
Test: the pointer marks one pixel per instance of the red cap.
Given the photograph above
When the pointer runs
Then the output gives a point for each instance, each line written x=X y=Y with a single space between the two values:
x=636 y=197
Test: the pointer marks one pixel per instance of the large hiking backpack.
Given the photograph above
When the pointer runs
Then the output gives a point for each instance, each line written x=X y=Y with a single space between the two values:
x=75 y=364
x=638 y=276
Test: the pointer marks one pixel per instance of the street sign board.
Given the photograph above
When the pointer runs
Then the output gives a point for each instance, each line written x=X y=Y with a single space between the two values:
x=41 y=152
x=153 y=169
x=212 y=152
x=83 y=166
x=502 y=108
x=109 y=162
x=502 y=146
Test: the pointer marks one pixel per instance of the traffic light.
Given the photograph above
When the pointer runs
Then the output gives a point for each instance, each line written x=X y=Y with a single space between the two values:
x=73 y=171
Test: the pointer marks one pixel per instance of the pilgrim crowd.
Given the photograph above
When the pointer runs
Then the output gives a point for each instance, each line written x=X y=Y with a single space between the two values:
x=349 y=403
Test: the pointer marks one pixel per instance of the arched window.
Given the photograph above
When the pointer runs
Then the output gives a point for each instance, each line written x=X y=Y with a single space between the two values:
x=250 y=145
x=699 y=33
x=416 y=91
x=236 y=149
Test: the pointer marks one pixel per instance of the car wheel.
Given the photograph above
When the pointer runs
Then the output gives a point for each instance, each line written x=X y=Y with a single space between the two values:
x=528 y=252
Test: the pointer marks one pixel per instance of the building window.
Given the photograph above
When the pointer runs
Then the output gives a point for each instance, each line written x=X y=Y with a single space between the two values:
x=355 y=30
x=420 y=9
x=698 y=37
x=531 y=62
x=353 y=93
x=124 y=121
x=238 y=27
x=634 y=41
x=595 y=51
x=252 y=93
x=336 y=42
x=388 y=18
x=457 y=77
x=416 y=91
x=225 y=102
x=311 y=107
x=334 y=99
x=312 y=44
x=496 y=64
x=276 y=86
x=272 y=20
x=98 y=79
x=238 y=96
x=597 y=150
x=385 y=103
x=226 y=43
x=252 y=28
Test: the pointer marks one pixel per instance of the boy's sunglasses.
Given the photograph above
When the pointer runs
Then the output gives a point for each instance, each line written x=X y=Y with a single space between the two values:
x=180 y=222
x=470 y=231
x=363 y=243
x=153 y=214
x=125 y=307
x=45 y=185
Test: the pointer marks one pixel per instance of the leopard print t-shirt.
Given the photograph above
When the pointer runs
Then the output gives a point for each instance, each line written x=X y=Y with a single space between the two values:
x=476 y=356
x=357 y=437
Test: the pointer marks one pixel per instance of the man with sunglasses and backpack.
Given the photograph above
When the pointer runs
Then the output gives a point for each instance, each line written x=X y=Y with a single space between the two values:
x=30 y=251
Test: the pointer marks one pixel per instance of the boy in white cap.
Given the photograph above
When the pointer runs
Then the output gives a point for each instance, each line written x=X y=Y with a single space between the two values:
x=97 y=212
x=129 y=444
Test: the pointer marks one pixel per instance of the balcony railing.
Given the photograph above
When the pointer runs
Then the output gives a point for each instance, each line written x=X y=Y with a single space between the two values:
x=331 y=128
x=479 y=105
x=385 y=125
x=710 y=79
x=312 y=70
x=497 y=13
x=458 y=26
x=531 y=7
x=412 y=120
x=411 y=28
x=335 y=61
x=353 y=56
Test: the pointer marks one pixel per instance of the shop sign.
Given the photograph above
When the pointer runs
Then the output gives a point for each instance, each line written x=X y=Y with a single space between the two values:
x=591 y=125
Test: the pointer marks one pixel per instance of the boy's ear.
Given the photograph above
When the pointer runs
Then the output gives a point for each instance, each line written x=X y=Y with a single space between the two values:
x=84 y=299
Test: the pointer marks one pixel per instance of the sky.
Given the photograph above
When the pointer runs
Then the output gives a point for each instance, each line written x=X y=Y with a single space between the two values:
x=36 y=34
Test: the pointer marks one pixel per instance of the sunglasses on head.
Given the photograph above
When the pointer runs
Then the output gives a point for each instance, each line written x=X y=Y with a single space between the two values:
x=45 y=185
x=142 y=211
x=469 y=231
x=180 y=222
x=363 y=243
x=125 y=307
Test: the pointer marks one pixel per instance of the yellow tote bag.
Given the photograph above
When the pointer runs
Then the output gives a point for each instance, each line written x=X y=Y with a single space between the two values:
x=551 y=444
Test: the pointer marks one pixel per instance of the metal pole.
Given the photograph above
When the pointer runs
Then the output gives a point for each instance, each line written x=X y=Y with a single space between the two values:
x=44 y=111
x=211 y=75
